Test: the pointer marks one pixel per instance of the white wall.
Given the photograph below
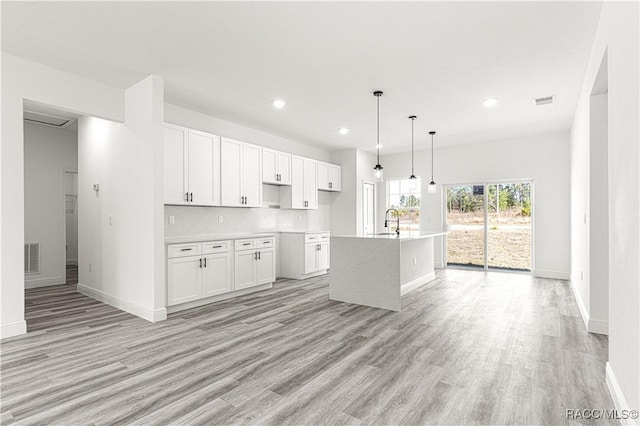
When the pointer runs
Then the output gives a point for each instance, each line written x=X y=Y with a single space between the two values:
x=121 y=244
x=198 y=121
x=346 y=208
x=47 y=153
x=618 y=35
x=543 y=158
x=22 y=79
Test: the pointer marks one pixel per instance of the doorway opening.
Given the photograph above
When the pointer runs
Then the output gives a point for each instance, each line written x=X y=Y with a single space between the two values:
x=490 y=226
x=71 y=225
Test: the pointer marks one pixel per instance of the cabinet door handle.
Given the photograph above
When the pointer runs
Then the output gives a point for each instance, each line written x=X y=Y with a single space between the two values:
x=258 y=255
x=330 y=184
x=191 y=197
x=216 y=246
x=200 y=263
x=246 y=244
x=186 y=197
x=205 y=262
x=255 y=255
x=186 y=249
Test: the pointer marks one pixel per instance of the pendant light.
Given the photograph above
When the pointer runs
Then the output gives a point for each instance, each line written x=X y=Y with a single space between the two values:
x=432 y=184
x=377 y=170
x=412 y=118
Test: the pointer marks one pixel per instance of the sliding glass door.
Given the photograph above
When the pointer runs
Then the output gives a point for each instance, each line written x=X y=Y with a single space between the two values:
x=465 y=217
x=490 y=226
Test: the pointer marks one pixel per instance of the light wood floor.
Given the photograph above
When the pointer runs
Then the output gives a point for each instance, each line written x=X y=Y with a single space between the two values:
x=468 y=348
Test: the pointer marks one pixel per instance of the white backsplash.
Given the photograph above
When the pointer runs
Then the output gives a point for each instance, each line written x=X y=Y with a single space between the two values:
x=192 y=220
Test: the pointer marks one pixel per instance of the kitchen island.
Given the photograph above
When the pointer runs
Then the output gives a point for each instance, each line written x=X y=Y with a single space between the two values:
x=377 y=270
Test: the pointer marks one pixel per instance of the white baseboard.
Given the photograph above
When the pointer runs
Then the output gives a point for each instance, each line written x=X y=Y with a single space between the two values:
x=13 y=329
x=412 y=285
x=583 y=309
x=152 y=315
x=598 y=326
x=592 y=325
x=212 y=299
x=44 y=282
x=557 y=275
x=439 y=265
x=618 y=397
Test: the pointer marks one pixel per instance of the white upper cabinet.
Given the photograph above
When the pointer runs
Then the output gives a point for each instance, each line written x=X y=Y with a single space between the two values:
x=240 y=174
x=175 y=162
x=276 y=167
x=303 y=193
x=191 y=167
x=329 y=177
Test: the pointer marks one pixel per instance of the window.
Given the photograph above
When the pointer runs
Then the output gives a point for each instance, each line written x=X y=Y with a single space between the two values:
x=404 y=196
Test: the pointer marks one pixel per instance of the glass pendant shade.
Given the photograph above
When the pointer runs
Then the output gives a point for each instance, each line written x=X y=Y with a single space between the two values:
x=378 y=174
x=432 y=187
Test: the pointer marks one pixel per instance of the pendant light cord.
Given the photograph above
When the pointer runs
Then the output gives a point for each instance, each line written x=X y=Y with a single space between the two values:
x=432 y=133
x=412 y=120
x=378 y=127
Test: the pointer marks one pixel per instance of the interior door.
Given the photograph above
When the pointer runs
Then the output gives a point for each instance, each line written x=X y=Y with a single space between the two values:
x=466 y=220
x=368 y=208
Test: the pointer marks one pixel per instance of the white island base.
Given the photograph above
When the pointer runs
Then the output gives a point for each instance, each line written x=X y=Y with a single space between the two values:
x=378 y=270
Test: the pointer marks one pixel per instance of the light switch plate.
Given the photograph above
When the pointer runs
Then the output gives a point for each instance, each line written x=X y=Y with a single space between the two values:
x=172 y=220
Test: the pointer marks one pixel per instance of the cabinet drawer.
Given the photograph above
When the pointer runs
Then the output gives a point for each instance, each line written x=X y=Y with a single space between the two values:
x=183 y=250
x=311 y=238
x=324 y=237
x=215 y=247
x=245 y=244
x=265 y=242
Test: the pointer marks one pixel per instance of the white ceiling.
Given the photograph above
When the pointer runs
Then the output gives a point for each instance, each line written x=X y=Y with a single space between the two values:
x=436 y=60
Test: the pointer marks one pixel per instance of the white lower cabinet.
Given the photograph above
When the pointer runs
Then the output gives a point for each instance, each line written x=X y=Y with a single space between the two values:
x=184 y=277
x=306 y=254
x=199 y=271
x=216 y=275
x=255 y=262
x=196 y=270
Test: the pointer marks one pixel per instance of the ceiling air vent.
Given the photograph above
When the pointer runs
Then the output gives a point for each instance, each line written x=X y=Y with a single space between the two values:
x=47 y=119
x=545 y=101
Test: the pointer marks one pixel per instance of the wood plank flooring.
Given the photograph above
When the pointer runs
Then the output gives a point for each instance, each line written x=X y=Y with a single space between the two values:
x=468 y=348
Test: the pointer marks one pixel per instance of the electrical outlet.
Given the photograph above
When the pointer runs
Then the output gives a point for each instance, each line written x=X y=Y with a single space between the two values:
x=220 y=219
x=299 y=219
x=172 y=220
x=415 y=261
x=90 y=267
x=110 y=220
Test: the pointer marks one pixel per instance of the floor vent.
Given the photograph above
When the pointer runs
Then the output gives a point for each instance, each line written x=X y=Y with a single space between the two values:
x=31 y=258
x=545 y=101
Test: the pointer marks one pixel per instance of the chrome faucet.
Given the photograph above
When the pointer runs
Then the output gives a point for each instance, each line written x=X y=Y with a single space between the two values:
x=386 y=220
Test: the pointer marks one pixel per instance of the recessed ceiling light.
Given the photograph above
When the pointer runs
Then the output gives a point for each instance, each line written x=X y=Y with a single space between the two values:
x=489 y=102
x=343 y=130
x=279 y=103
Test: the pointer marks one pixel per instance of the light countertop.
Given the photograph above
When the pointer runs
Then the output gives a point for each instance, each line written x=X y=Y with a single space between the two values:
x=217 y=237
x=393 y=236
